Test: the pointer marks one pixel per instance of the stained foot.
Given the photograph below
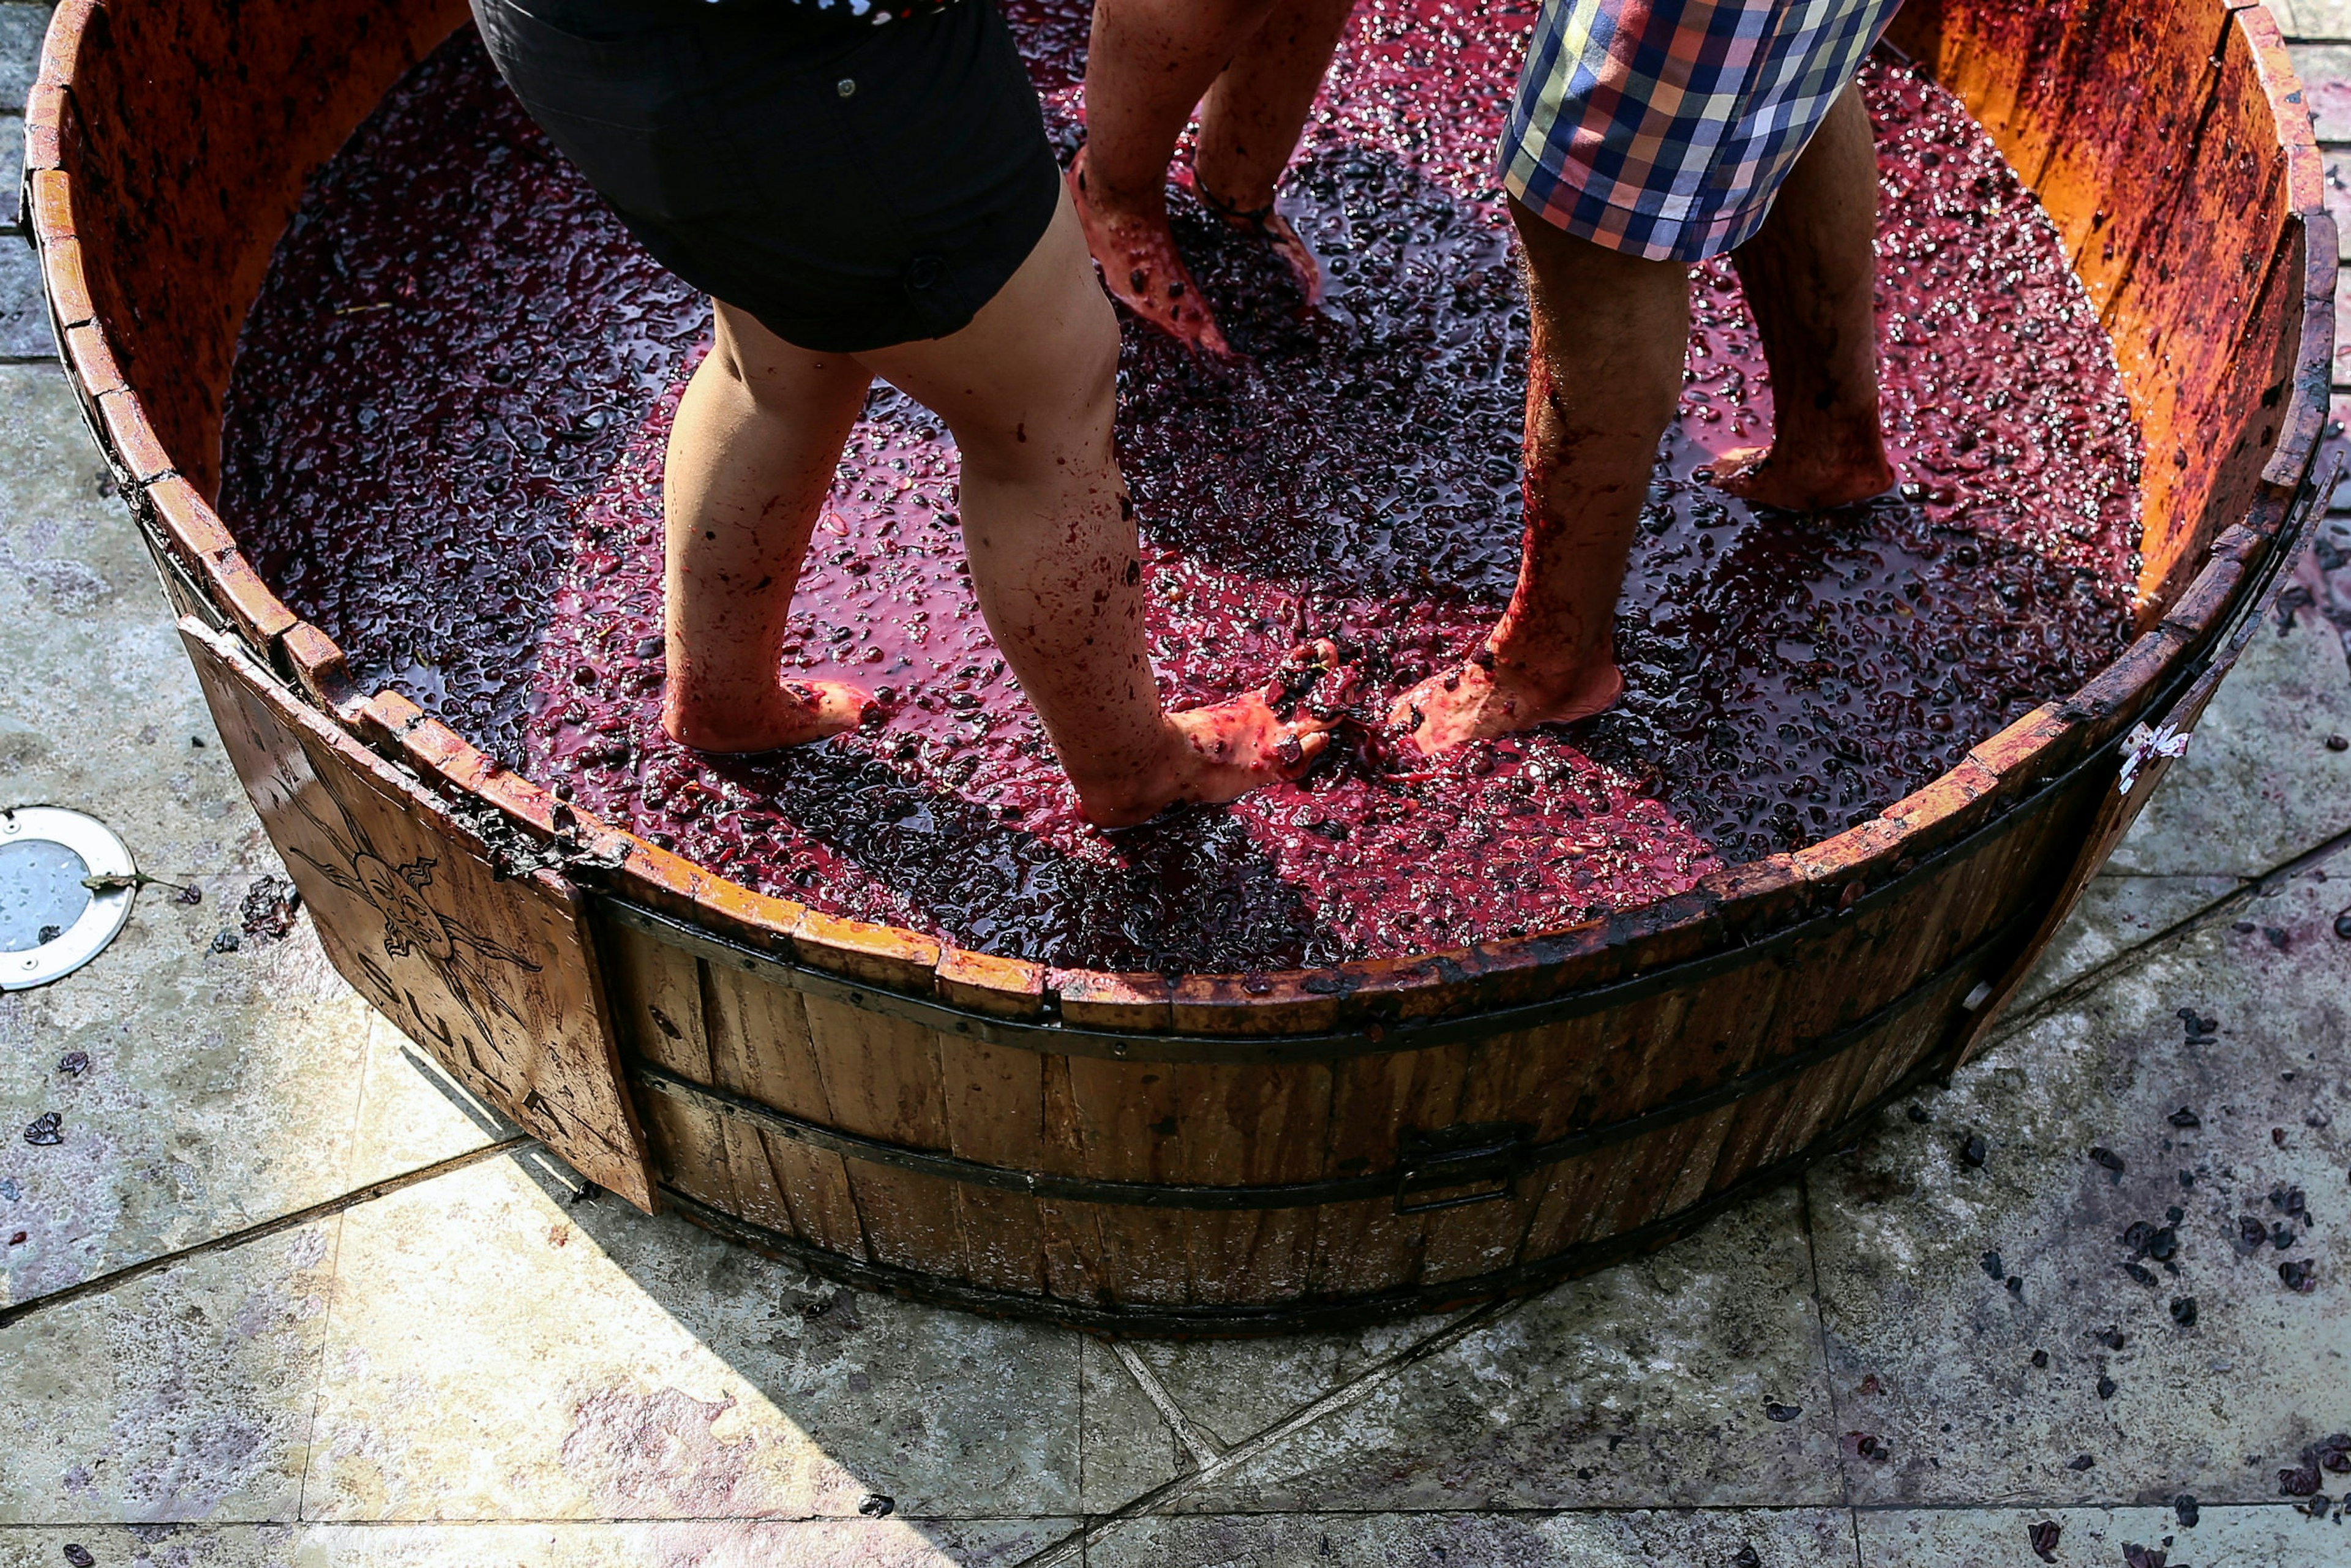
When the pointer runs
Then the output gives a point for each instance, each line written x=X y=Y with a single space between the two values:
x=1268 y=224
x=1481 y=700
x=1757 y=475
x=1143 y=270
x=1214 y=754
x=800 y=712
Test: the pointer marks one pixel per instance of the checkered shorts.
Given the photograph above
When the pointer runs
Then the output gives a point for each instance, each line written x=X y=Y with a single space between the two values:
x=1664 y=128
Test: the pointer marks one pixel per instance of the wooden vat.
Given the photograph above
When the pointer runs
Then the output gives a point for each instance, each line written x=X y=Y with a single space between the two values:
x=1194 y=1153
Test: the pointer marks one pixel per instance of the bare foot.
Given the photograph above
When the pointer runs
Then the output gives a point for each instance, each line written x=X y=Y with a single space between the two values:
x=1758 y=475
x=1480 y=701
x=1214 y=754
x=1143 y=270
x=1276 y=231
x=802 y=712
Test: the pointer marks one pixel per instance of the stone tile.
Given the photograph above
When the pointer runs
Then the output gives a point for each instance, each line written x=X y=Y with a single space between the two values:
x=1783 y=1538
x=1644 y=1385
x=2117 y=914
x=2342 y=372
x=99 y=709
x=2268 y=1537
x=1932 y=1356
x=2258 y=785
x=1127 y=1447
x=496 y=1354
x=410 y=1115
x=2338 y=199
x=21 y=26
x=25 y=331
x=221 y=1090
x=2312 y=19
x=183 y=1395
x=2326 y=72
x=892 y=1542
x=12 y=171
x=1236 y=1388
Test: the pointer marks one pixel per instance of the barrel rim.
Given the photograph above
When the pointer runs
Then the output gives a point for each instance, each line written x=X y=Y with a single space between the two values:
x=1807 y=888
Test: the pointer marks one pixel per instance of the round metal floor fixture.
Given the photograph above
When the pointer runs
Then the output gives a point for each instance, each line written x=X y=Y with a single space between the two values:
x=51 y=921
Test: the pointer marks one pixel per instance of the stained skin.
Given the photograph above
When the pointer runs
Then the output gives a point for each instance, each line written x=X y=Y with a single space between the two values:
x=1604 y=381
x=1028 y=390
x=1251 y=68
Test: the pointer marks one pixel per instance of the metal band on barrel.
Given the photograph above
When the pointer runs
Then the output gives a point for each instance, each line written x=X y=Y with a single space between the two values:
x=1517 y=1162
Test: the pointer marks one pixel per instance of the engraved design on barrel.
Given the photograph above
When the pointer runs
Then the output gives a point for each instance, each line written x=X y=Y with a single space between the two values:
x=491 y=971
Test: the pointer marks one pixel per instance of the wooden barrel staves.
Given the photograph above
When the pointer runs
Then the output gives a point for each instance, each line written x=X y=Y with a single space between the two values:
x=1195 y=1154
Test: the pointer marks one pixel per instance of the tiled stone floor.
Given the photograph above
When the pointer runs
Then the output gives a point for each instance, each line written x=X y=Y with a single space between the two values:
x=277 y=1297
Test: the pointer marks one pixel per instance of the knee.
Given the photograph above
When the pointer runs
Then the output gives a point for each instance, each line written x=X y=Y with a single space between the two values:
x=1066 y=405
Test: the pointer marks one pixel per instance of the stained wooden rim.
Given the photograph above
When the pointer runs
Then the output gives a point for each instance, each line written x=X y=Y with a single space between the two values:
x=1374 y=1037
x=197 y=551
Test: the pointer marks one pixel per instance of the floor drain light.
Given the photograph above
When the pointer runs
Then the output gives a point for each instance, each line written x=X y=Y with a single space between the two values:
x=50 y=923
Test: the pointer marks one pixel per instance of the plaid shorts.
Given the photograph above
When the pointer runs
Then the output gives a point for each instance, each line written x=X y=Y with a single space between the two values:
x=1665 y=128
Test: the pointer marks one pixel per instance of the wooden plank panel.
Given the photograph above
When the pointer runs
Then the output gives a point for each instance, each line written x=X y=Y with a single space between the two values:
x=1074 y=1268
x=495 y=975
x=656 y=994
x=1254 y=1125
x=880 y=1078
x=994 y=1100
x=1128 y=1119
x=760 y=1047
x=1368 y=1246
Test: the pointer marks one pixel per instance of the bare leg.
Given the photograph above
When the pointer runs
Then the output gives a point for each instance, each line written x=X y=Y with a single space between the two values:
x=750 y=461
x=1258 y=105
x=1810 y=274
x=1254 y=112
x=1604 y=380
x=1029 y=388
x=1147 y=63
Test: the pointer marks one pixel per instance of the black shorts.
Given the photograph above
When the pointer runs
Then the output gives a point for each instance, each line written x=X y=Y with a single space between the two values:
x=851 y=187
